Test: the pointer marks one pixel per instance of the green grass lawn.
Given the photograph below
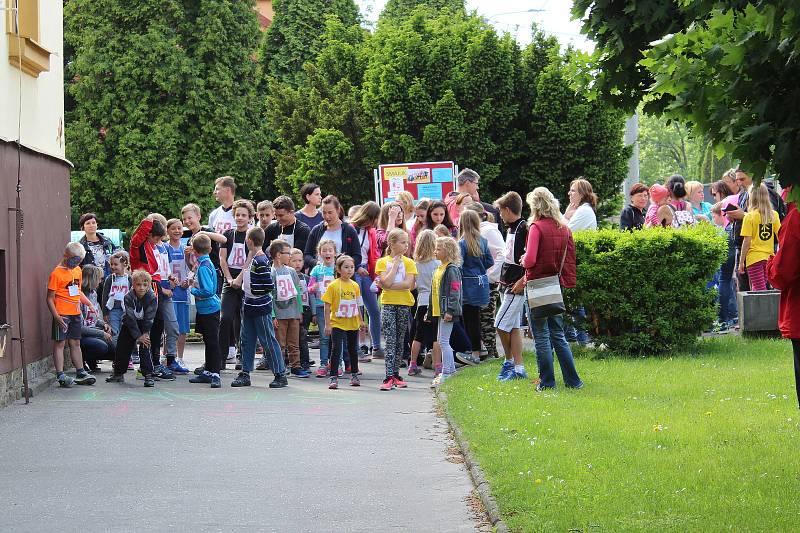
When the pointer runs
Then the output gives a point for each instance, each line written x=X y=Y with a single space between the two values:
x=706 y=441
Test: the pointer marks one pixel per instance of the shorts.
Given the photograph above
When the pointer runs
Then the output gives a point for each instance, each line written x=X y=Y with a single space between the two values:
x=424 y=332
x=508 y=316
x=74 y=323
x=182 y=316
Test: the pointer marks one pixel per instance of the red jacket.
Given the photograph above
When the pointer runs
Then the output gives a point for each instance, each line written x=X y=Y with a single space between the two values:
x=374 y=252
x=783 y=271
x=545 y=250
x=142 y=255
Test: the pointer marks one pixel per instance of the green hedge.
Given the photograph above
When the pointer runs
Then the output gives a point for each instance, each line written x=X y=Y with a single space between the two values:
x=645 y=291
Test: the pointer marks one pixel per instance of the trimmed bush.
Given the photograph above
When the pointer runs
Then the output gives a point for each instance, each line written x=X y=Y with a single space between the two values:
x=645 y=291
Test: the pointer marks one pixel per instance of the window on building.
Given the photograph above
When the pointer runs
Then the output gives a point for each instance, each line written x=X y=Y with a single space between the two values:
x=22 y=29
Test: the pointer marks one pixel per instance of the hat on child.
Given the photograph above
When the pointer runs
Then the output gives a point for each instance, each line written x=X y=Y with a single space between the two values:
x=658 y=193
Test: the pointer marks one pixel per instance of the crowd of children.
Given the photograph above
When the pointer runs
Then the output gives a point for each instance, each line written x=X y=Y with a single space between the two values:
x=413 y=284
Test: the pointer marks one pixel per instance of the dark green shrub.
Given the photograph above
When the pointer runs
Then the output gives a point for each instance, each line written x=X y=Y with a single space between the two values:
x=645 y=291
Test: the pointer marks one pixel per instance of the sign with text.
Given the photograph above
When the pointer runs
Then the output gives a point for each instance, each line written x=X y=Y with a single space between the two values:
x=431 y=180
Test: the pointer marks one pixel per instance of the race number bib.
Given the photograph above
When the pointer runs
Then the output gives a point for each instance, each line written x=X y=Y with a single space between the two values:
x=304 y=291
x=119 y=290
x=285 y=287
x=179 y=270
x=238 y=256
x=326 y=280
x=287 y=238
x=162 y=262
x=92 y=314
x=73 y=290
x=347 y=309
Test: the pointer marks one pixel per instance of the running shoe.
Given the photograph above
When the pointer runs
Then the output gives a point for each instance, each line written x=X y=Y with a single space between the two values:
x=300 y=373
x=205 y=377
x=354 y=381
x=378 y=353
x=163 y=373
x=178 y=368
x=216 y=381
x=116 y=378
x=398 y=381
x=149 y=381
x=65 y=381
x=262 y=365
x=388 y=384
x=199 y=370
x=130 y=364
x=322 y=372
x=242 y=380
x=82 y=377
x=279 y=382
x=334 y=383
x=506 y=370
x=515 y=375
x=414 y=370
x=427 y=362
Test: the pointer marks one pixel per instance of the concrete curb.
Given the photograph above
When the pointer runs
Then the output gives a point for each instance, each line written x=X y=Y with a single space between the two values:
x=475 y=472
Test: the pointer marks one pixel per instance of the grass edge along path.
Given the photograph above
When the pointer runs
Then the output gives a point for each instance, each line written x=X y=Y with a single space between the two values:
x=701 y=441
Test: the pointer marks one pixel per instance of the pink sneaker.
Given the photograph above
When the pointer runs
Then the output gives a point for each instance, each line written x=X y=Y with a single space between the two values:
x=398 y=381
x=388 y=384
x=334 y=384
x=130 y=364
x=322 y=372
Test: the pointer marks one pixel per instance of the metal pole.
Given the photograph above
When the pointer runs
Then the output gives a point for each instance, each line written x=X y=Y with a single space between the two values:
x=21 y=322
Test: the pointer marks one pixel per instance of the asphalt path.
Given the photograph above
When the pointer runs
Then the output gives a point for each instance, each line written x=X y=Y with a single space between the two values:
x=184 y=457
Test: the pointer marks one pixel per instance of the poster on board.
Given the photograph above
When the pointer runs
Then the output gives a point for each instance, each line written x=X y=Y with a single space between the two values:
x=432 y=180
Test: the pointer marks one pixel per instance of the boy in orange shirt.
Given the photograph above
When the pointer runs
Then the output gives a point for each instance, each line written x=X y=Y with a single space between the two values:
x=64 y=297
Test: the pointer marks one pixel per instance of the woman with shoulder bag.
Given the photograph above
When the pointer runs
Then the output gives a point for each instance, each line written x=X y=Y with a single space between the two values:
x=549 y=263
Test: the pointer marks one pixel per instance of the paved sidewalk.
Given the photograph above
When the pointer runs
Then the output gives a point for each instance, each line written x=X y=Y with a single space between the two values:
x=184 y=457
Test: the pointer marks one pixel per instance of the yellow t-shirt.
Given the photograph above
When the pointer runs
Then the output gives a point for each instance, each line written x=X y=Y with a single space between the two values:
x=396 y=296
x=436 y=283
x=764 y=236
x=345 y=300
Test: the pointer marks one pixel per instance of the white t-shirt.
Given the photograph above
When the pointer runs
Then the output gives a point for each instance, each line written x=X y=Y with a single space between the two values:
x=497 y=246
x=336 y=237
x=583 y=218
x=221 y=219
x=363 y=239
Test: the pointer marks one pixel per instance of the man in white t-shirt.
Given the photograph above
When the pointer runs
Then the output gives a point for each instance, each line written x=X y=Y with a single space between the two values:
x=221 y=219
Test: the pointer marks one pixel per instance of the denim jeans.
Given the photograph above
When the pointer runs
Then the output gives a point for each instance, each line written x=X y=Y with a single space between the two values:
x=727 y=297
x=260 y=327
x=548 y=334
x=373 y=312
x=96 y=349
x=573 y=333
x=443 y=338
x=115 y=320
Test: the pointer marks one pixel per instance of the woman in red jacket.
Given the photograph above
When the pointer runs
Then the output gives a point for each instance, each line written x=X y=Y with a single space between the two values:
x=550 y=251
x=783 y=270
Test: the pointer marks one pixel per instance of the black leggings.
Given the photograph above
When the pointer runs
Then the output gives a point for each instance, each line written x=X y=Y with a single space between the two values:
x=338 y=338
x=796 y=350
x=472 y=323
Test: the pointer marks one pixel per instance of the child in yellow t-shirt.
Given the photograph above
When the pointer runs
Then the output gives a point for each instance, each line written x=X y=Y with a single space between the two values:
x=760 y=231
x=342 y=300
x=396 y=277
x=64 y=297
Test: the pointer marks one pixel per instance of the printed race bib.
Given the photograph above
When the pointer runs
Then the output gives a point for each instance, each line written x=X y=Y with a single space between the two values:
x=285 y=287
x=73 y=290
x=238 y=256
x=400 y=275
x=91 y=317
x=304 y=291
x=347 y=309
x=162 y=262
x=221 y=226
x=179 y=269
x=118 y=291
x=326 y=280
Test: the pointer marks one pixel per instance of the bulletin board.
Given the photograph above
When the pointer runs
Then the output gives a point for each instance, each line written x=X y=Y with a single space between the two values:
x=431 y=180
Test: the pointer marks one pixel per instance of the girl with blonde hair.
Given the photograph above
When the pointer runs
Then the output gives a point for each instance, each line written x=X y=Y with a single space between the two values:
x=550 y=251
x=760 y=232
x=444 y=306
x=425 y=259
x=476 y=258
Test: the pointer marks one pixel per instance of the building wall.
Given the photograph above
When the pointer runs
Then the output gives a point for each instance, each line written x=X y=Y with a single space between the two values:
x=45 y=203
x=45 y=200
x=42 y=96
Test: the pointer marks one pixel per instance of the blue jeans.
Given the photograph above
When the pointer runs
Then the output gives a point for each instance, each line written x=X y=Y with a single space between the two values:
x=727 y=297
x=324 y=342
x=115 y=321
x=548 y=334
x=573 y=333
x=260 y=327
x=373 y=312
